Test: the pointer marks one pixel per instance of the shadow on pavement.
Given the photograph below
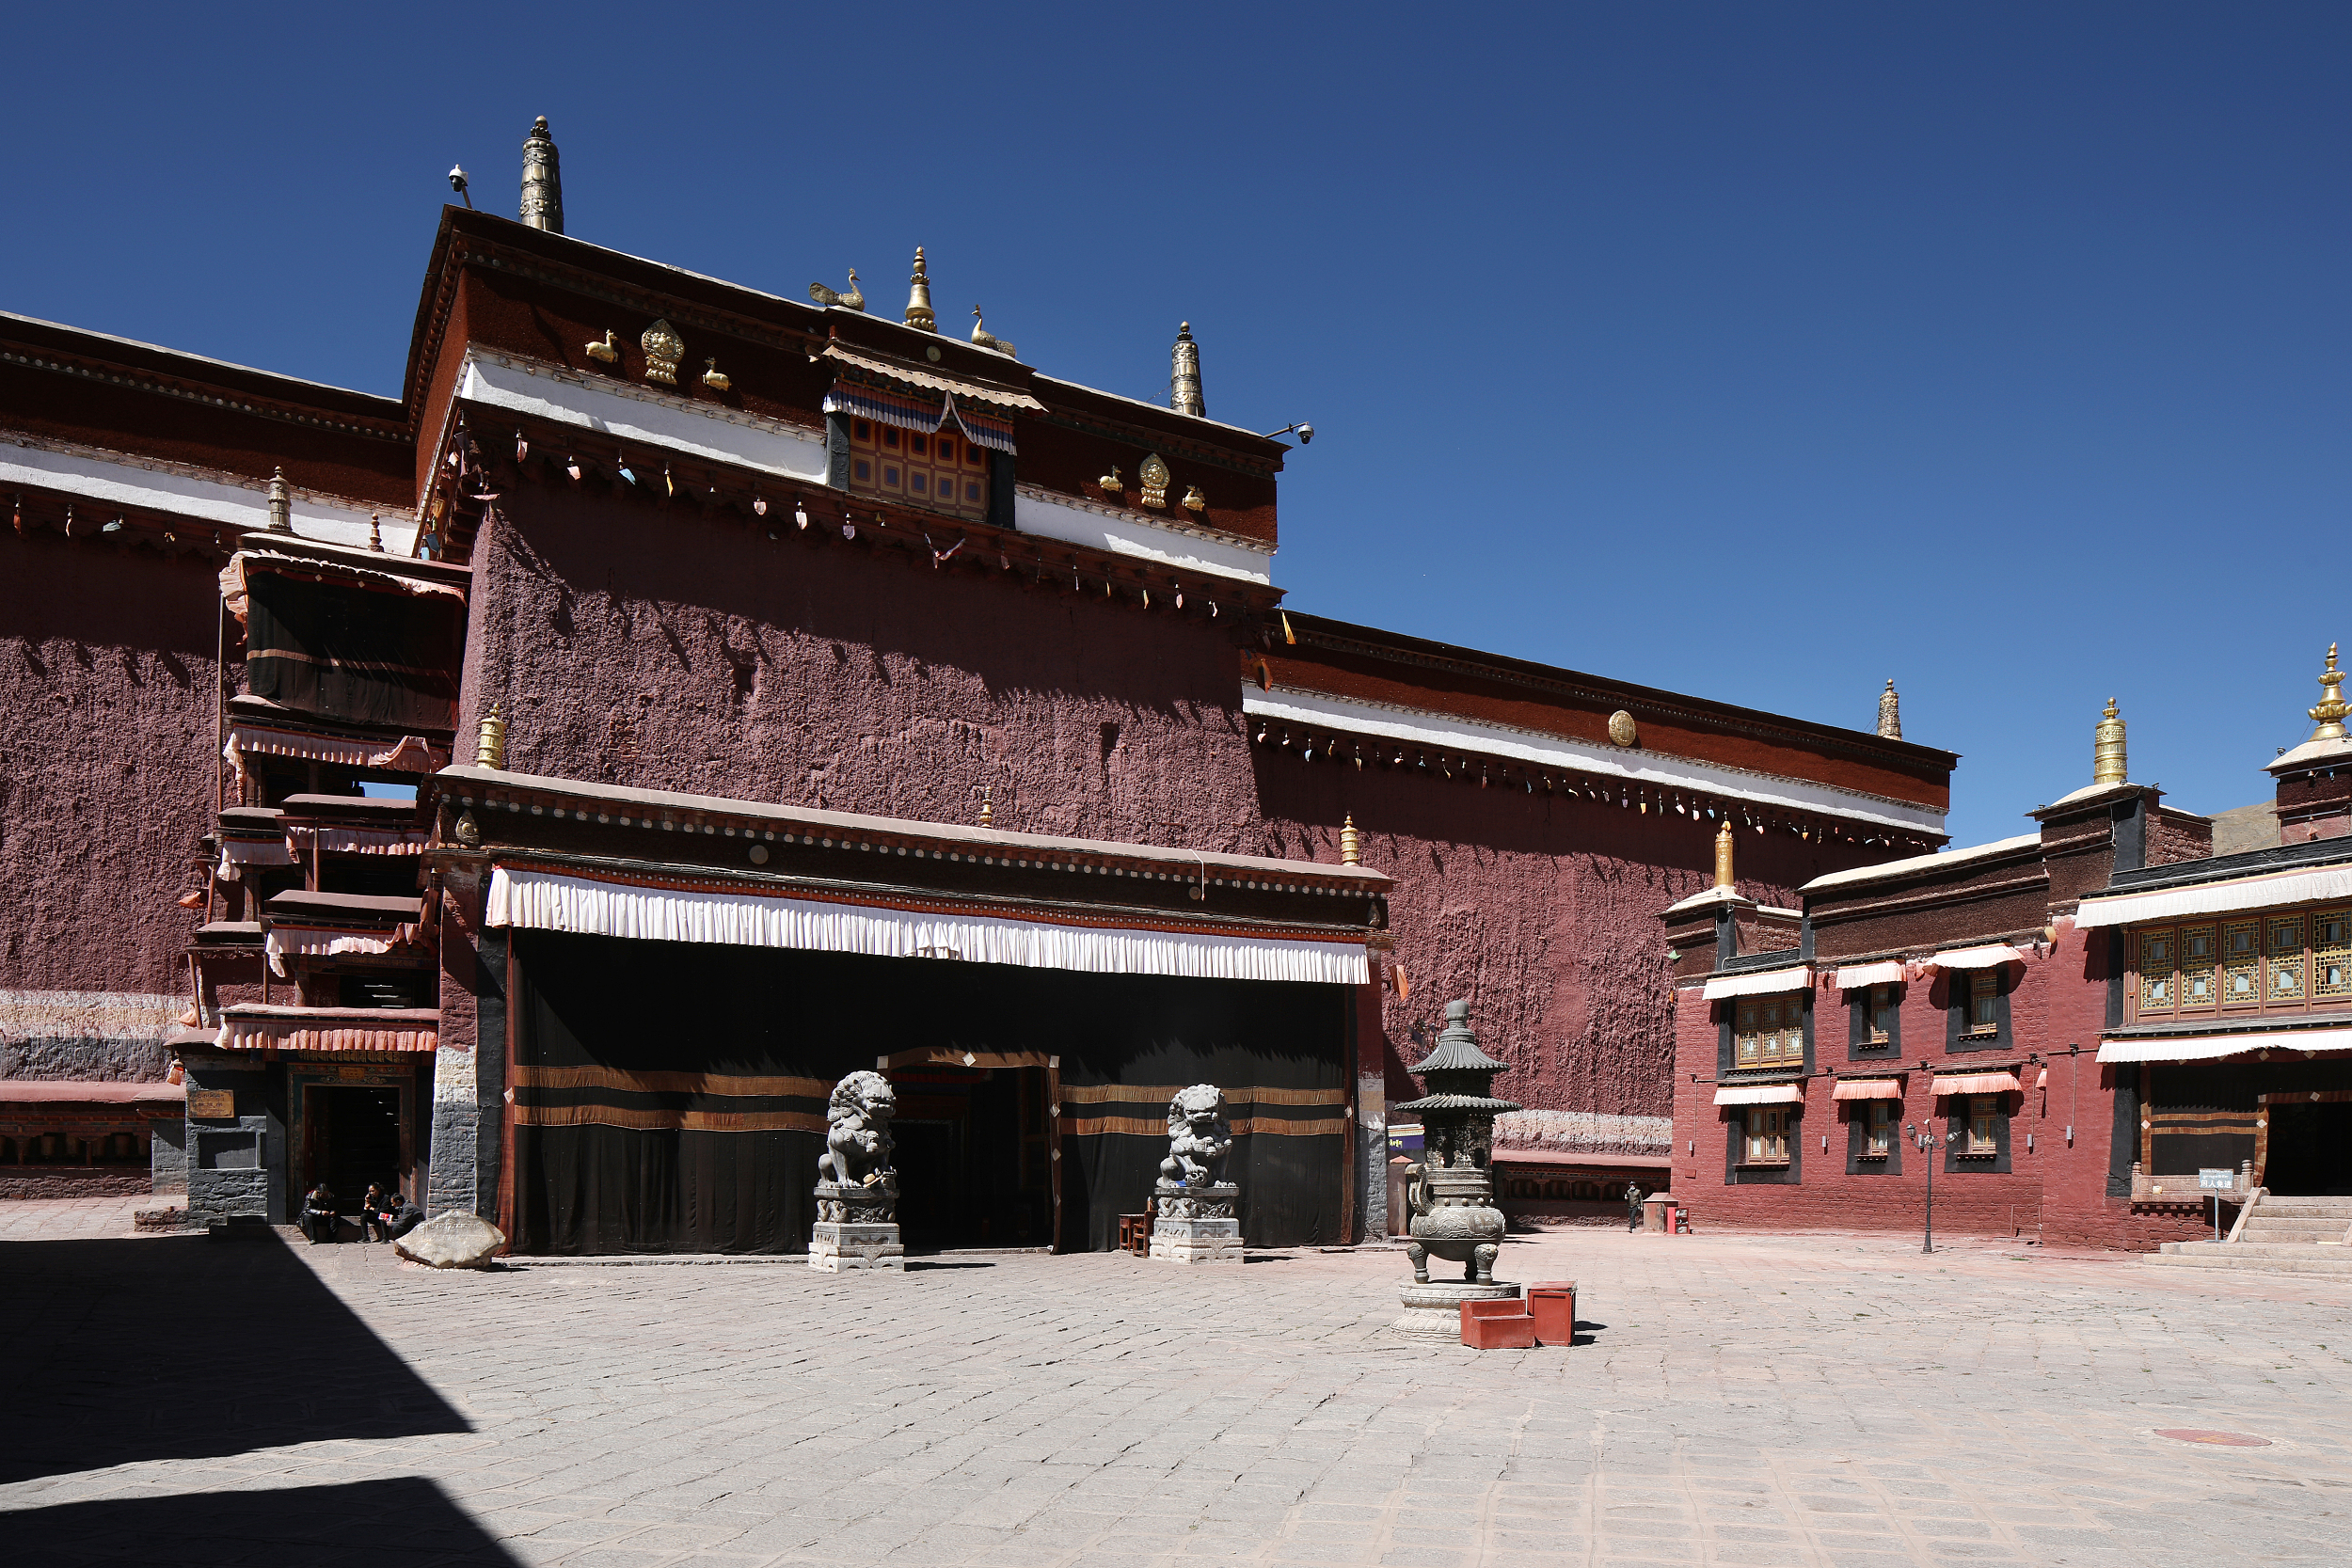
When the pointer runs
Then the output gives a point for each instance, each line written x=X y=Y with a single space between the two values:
x=184 y=1348
x=401 y=1522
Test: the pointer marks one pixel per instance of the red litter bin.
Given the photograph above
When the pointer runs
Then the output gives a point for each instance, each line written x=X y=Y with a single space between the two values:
x=1552 y=1304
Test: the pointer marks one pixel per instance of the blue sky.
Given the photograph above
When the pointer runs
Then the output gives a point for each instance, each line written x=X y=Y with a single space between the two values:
x=1757 y=352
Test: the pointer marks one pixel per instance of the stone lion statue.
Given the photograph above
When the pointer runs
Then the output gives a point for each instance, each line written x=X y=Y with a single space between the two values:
x=857 y=1131
x=1198 y=1137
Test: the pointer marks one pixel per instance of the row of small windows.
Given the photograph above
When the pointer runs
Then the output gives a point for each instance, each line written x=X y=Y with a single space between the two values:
x=1766 y=1130
x=2273 y=961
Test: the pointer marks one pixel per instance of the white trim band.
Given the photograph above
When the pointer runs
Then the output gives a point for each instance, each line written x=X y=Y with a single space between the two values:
x=1761 y=1094
x=1863 y=976
x=2206 y=1048
x=1050 y=516
x=634 y=414
x=2248 y=892
x=544 y=901
x=1421 y=728
x=1770 y=982
x=229 y=501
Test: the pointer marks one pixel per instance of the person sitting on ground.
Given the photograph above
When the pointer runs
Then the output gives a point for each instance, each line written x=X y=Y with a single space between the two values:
x=373 y=1222
x=319 y=1221
x=394 y=1216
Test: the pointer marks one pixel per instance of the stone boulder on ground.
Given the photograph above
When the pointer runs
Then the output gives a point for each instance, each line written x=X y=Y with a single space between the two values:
x=452 y=1241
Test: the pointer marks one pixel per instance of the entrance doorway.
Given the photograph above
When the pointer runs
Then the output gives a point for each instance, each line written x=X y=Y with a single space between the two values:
x=972 y=1157
x=352 y=1135
x=2310 y=1153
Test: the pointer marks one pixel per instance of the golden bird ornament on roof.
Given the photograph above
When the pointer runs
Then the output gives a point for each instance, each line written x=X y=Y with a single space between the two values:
x=853 y=300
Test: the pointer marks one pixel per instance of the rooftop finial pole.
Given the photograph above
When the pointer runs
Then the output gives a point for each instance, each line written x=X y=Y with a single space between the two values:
x=1183 y=381
x=2106 y=758
x=1723 y=856
x=1351 y=843
x=280 y=504
x=1890 y=713
x=2332 y=707
x=543 y=182
x=490 y=750
x=919 y=296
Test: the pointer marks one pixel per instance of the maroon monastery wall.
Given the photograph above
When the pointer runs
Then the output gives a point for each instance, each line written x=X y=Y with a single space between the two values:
x=106 y=756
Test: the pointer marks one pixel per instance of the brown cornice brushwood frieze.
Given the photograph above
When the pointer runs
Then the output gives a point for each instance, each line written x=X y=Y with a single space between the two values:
x=164 y=387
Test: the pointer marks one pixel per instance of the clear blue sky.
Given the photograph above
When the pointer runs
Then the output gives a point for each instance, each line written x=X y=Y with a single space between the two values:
x=1757 y=352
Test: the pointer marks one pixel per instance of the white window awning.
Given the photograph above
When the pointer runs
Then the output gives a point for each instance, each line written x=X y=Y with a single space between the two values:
x=1767 y=982
x=1760 y=1094
x=1890 y=972
x=1977 y=1082
x=546 y=901
x=1990 y=956
x=1867 y=1088
x=2241 y=893
x=2206 y=1048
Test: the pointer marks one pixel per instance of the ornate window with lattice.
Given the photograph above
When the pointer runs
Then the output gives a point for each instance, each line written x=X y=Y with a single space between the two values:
x=2331 y=953
x=2241 y=963
x=1767 y=1136
x=942 y=470
x=2284 y=965
x=2196 y=988
x=2157 y=960
x=1769 y=1031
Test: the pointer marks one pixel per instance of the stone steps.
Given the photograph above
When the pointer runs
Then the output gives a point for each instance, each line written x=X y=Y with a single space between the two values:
x=2262 y=1226
x=2336 y=1208
x=2281 y=1258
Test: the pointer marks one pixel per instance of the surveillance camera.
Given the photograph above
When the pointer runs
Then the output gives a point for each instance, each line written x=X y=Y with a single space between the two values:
x=456 y=178
x=1306 y=434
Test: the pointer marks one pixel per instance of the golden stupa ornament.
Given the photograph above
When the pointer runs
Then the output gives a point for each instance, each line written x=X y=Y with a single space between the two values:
x=1152 y=479
x=490 y=750
x=1351 y=843
x=280 y=506
x=919 y=296
x=663 y=349
x=1723 y=856
x=2106 y=758
x=2332 y=707
x=1890 y=713
x=1184 y=377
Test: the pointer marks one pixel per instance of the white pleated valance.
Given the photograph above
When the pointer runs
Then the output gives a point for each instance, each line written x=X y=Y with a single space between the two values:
x=1887 y=974
x=1760 y=1094
x=546 y=901
x=1763 y=983
x=2245 y=893
x=1977 y=1082
x=359 y=841
x=2206 y=1048
x=1866 y=1088
x=1991 y=955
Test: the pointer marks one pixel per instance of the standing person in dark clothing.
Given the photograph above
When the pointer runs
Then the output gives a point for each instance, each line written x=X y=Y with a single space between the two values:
x=318 y=1214
x=1634 y=1206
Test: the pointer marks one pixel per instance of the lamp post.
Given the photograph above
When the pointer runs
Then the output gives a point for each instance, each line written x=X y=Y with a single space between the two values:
x=1928 y=1145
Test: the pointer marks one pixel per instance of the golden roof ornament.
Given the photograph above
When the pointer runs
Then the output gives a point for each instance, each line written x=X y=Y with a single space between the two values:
x=280 y=504
x=987 y=340
x=853 y=300
x=2332 y=707
x=1152 y=479
x=663 y=349
x=2106 y=758
x=1194 y=500
x=490 y=750
x=1890 y=713
x=919 y=296
x=1110 y=484
x=375 y=531
x=1351 y=843
x=1184 y=380
x=1723 y=856
x=542 y=180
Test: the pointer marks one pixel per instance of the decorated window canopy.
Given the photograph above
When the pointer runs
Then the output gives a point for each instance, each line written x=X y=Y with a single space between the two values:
x=1977 y=1082
x=1861 y=977
x=1990 y=956
x=348 y=643
x=1768 y=982
x=1867 y=1088
x=925 y=412
x=2206 y=1048
x=252 y=1027
x=2241 y=893
x=1760 y=1094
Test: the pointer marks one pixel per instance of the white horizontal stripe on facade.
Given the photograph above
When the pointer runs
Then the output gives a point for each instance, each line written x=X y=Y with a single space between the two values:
x=2206 y=1048
x=1772 y=982
x=544 y=901
x=1420 y=728
x=2253 y=893
x=1048 y=516
x=228 y=500
x=632 y=414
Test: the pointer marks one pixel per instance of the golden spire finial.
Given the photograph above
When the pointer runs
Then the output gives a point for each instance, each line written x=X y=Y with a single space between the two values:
x=1351 y=843
x=919 y=296
x=490 y=750
x=375 y=531
x=2107 y=756
x=1723 y=856
x=542 y=180
x=280 y=504
x=1183 y=381
x=1890 y=713
x=2332 y=707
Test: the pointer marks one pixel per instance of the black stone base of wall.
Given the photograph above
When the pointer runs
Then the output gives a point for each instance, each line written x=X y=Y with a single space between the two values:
x=75 y=1181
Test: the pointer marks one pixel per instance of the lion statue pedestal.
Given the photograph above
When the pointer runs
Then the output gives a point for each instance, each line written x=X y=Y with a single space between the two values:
x=857 y=1190
x=1192 y=1212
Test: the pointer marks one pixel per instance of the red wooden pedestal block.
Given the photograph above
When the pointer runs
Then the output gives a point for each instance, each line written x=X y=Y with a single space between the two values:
x=1552 y=1304
x=1502 y=1324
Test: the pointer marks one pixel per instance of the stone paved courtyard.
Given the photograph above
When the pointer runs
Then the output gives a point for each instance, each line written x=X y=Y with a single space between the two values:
x=1761 y=1399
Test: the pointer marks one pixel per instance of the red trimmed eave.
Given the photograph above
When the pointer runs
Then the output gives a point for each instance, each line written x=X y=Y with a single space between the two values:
x=21 y=1091
x=1363 y=663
